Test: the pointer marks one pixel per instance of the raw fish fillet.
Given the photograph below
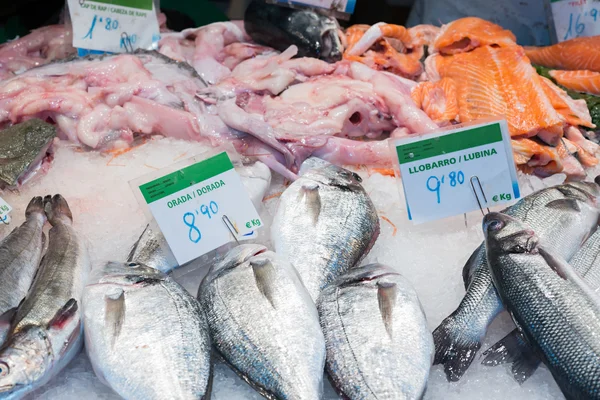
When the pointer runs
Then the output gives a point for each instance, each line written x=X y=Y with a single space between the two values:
x=494 y=81
x=528 y=152
x=574 y=111
x=438 y=100
x=576 y=54
x=466 y=34
x=581 y=81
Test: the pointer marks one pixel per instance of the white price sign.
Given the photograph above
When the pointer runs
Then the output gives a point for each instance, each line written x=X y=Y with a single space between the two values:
x=437 y=170
x=575 y=18
x=199 y=207
x=5 y=208
x=114 y=26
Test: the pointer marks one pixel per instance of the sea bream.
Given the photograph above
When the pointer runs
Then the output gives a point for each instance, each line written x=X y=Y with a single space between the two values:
x=20 y=255
x=264 y=324
x=46 y=332
x=379 y=345
x=557 y=312
x=563 y=216
x=139 y=354
x=325 y=224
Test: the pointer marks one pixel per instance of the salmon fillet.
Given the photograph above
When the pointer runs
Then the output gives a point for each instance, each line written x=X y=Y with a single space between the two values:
x=438 y=100
x=495 y=81
x=576 y=54
x=469 y=33
x=574 y=111
x=581 y=81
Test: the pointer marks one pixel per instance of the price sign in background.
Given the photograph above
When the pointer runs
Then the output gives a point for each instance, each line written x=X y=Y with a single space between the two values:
x=575 y=18
x=436 y=170
x=346 y=6
x=114 y=26
x=189 y=205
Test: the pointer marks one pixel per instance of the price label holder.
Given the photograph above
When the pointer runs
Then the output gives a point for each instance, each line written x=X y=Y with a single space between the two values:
x=5 y=209
x=575 y=18
x=456 y=170
x=113 y=26
x=199 y=205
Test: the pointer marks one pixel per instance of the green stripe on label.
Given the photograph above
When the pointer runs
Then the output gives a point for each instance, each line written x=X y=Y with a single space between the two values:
x=186 y=177
x=141 y=4
x=449 y=143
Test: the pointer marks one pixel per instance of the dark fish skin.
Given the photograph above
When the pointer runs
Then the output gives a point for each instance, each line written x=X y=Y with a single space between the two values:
x=557 y=312
x=458 y=338
x=279 y=27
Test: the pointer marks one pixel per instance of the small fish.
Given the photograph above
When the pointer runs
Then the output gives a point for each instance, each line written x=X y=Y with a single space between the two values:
x=325 y=224
x=264 y=324
x=20 y=255
x=23 y=149
x=564 y=216
x=46 y=330
x=558 y=313
x=280 y=27
x=146 y=336
x=378 y=343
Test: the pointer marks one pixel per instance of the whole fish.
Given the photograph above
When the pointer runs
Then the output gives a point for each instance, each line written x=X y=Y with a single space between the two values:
x=139 y=354
x=46 y=330
x=20 y=255
x=563 y=216
x=513 y=348
x=325 y=224
x=264 y=324
x=314 y=34
x=378 y=343
x=556 y=311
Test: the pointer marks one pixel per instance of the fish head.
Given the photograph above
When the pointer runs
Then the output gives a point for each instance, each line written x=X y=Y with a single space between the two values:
x=24 y=359
x=507 y=234
x=129 y=273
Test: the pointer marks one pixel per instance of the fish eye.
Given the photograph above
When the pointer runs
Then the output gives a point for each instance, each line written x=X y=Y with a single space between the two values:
x=495 y=225
x=4 y=369
x=133 y=265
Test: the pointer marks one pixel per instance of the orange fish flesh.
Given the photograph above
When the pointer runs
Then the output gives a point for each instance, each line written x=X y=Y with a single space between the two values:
x=438 y=100
x=581 y=81
x=466 y=34
x=574 y=111
x=576 y=54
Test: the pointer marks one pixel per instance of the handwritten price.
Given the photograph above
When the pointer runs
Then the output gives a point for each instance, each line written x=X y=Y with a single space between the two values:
x=577 y=22
x=434 y=183
x=189 y=219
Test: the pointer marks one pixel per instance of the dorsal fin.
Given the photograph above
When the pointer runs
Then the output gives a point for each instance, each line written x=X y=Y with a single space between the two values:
x=564 y=205
x=114 y=313
x=310 y=193
x=264 y=275
x=386 y=296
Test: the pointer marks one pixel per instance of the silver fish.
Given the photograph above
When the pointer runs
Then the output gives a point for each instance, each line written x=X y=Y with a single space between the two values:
x=46 y=331
x=563 y=216
x=264 y=324
x=378 y=343
x=152 y=250
x=20 y=255
x=146 y=336
x=325 y=224
x=556 y=311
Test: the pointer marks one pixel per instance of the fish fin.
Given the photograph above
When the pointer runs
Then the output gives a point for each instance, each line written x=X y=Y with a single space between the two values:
x=36 y=205
x=57 y=209
x=525 y=365
x=264 y=275
x=564 y=205
x=5 y=323
x=64 y=315
x=114 y=313
x=136 y=244
x=310 y=194
x=556 y=264
x=386 y=296
x=471 y=264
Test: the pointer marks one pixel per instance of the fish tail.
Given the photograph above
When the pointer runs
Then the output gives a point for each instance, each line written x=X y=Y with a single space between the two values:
x=35 y=206
x=57 y=209
x=513 y=349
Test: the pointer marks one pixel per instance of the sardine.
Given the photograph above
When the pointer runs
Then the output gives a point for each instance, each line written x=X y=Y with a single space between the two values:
x=314 y=34
x=141 y=354
x=564 y=216
x=378 y=343
x=46 y=330
x=20 y=255
x=264 y=324
x=557 y=312
x=325 y=224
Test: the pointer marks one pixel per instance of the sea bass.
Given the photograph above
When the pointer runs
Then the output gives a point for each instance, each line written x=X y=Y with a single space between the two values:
x=46 y=330
x=378 y=343
x=264 y=324
x=556 y=311
x=20 y=255
x=563 y=216
x=139 y=354
x=325 y=224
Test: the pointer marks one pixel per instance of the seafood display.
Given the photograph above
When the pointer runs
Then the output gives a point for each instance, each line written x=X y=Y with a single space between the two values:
x=335 y=293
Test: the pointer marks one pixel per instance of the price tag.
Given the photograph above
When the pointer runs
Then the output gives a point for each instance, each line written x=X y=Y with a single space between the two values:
x=5 y=208
x=437 y=170
x=114 y=26
x=576 y=18
x=342 y=6
x=193 y=206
